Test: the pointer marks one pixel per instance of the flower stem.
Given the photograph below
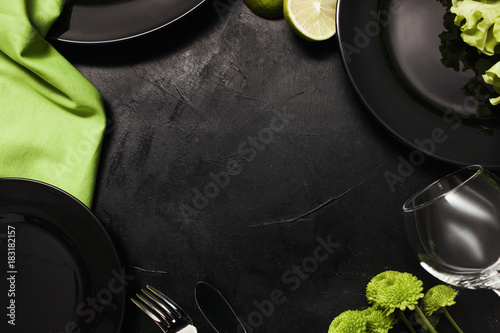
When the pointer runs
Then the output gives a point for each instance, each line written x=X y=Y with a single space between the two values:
x=405 y=320
x=425 y=320
x=447 y=314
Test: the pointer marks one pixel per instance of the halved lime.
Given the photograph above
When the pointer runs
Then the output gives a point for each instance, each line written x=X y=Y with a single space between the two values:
x=311 y=19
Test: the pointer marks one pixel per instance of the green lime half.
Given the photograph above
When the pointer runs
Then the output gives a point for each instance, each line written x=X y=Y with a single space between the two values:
x=311 y=19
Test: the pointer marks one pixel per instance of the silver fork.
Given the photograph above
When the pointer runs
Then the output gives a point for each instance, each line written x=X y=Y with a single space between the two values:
x=165 y=313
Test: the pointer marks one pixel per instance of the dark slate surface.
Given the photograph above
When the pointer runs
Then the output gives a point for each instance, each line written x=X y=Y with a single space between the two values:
x=269 y=127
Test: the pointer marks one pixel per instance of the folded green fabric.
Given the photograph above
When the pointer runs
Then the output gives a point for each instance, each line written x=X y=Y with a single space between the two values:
x=51 y=117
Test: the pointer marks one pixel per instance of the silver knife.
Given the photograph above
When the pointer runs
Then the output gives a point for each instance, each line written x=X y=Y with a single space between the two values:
x=217 y=310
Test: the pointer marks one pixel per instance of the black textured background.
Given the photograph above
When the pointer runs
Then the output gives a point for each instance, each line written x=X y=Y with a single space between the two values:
x=180 y=102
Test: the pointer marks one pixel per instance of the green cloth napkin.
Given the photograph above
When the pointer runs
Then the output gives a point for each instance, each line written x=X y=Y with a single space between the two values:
x=51 y=117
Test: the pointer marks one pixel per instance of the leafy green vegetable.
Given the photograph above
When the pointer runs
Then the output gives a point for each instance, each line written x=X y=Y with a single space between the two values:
x=459 y=56
x=479 y=22
x=481 y=28
x=492 y=76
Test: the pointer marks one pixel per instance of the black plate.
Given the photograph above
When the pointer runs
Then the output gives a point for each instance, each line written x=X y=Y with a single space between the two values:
x=104 y=21
x=405 y=60
x=59 y=271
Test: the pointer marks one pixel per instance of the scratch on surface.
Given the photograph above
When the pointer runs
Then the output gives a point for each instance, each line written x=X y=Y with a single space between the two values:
x=187 y=101
x=221 y=164
x=146 y=270
x=180 y=129
x=295 y=95
x=177 y=233
x=224 y=28
x=259 y=100
x=151 y=81
x=181 y=100
x=192 y=130
x=251 y=98
x=309 y=212
x=232 y=81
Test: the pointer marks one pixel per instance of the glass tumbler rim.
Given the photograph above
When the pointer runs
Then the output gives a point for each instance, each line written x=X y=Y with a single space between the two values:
x=408 y=209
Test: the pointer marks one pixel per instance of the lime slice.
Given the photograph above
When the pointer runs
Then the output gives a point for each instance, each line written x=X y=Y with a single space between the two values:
x=269 y=9
x=311 y=19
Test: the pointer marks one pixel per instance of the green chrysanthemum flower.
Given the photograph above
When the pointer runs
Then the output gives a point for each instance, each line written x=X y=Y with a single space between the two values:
x=438 y=297
x=350 y=321
x=391 y=290
x=373 y=286
x=377 y=321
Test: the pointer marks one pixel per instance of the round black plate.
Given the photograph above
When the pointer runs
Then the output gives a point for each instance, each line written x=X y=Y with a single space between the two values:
x=104 y=21
x=406 y=61
x=59 y=271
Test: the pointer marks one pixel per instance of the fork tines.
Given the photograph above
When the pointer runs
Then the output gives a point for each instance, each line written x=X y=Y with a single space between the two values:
x=165 y=313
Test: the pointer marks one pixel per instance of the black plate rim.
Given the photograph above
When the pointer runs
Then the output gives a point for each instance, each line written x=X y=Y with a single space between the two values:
x=126 y=37
x=92 y=219
x=439 y=154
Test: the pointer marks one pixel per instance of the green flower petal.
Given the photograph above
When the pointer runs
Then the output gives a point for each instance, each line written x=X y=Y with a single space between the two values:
x=350 y=321
x=437 y=297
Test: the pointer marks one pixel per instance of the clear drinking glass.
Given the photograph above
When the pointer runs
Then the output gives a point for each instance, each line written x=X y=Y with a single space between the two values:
x=454 y=227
